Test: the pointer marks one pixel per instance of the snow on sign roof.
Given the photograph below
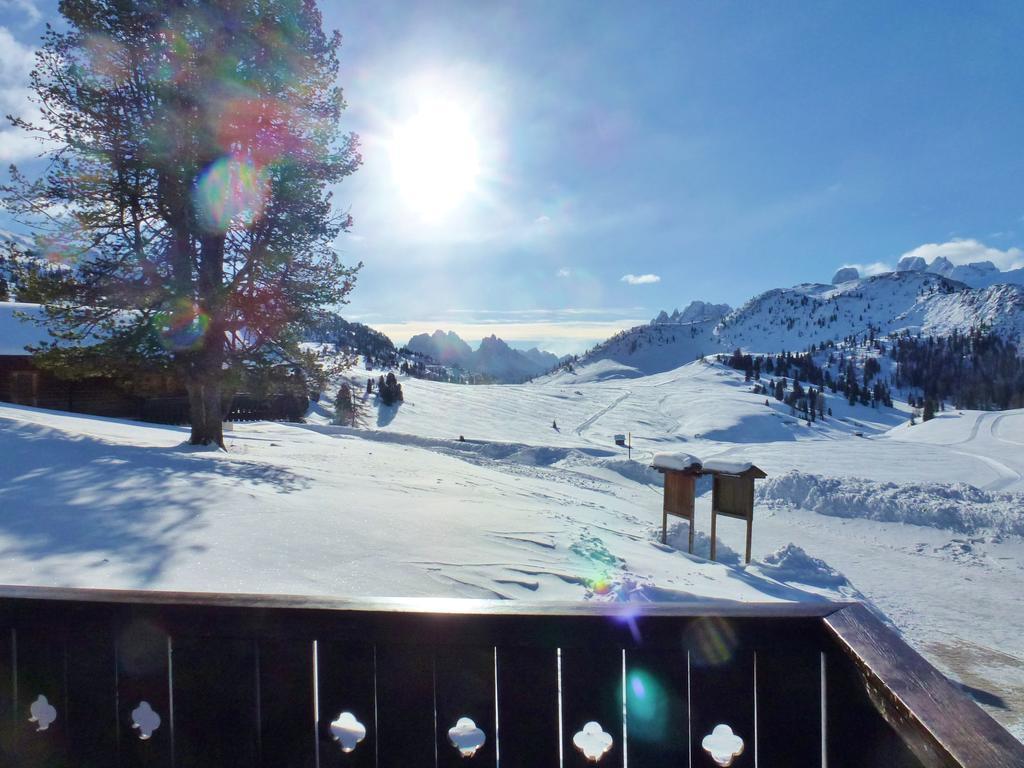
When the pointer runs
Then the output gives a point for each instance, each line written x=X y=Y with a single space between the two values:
x=17 y=332
x=728 y=466
x=676 y=461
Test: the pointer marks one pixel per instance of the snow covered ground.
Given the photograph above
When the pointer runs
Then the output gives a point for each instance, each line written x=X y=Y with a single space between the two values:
x=537 y=502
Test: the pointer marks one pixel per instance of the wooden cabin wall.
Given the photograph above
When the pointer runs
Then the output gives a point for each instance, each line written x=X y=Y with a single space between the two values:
x=160 y=398
x=23 y=384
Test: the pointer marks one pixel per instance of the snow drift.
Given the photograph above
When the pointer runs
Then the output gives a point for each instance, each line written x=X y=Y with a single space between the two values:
x=958 y=507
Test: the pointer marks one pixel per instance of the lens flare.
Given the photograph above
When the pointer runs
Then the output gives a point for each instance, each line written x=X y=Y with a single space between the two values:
x=183 y=327
x=712 y=641
x=106 y=58
x=649 y=706
x=262 y=128
x=61 y=249
x=230 y=192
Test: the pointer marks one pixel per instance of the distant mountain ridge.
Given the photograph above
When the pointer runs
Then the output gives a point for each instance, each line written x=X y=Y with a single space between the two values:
x=695 y=312
x=977 y=274
x=791 y=319
x=494 y=358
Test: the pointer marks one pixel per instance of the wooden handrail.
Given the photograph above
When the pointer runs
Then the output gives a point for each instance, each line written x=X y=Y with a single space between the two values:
x=426 y=605
x=938 y=721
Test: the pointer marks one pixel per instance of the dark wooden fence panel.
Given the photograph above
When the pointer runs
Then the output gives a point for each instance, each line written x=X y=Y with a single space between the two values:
x=8 y=725
x=41 y=669
x=406 y=716
x=287 y=726
x=591 y=693
x=789 y=705
x=215 y=705
x=721 y=687
x=142 y=656
x=528 y=707
x=657 y=710
x=92 y=717
x=346 y=683
x=465 y=689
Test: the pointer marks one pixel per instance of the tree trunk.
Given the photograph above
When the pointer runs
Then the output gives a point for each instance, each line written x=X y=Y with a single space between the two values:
x=204 y=404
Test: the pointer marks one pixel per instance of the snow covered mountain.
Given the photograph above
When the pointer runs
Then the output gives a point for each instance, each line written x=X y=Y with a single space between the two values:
x=696 y=311
x=977 y=274
x=24 y=241
x=445 y=348
x=494 y=358
x=911 y=300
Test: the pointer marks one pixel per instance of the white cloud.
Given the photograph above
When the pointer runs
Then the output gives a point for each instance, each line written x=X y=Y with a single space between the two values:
x=16 y=62
x=874 y=268
x=966 y=251
x=563 y=272
x=640 y=279
x=27 y=7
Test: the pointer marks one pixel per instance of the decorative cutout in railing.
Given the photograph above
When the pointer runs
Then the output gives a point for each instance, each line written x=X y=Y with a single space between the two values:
x=723 y=745
x=145 y=720
x=42 y=712
x=592 y=741
x=348 y=731
x=466 y=737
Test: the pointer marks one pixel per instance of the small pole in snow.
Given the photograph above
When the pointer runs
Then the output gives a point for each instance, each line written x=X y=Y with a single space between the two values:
x=629 y=445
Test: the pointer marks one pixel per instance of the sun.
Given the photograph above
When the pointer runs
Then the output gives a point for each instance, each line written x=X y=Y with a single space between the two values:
x=435 y=158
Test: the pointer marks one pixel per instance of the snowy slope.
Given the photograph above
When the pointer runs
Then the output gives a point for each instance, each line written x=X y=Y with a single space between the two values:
x=648 y=349
x=922 y=520
x=329 y=510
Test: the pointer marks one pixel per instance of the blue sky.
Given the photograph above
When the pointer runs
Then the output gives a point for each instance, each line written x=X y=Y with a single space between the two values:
x=725 y=148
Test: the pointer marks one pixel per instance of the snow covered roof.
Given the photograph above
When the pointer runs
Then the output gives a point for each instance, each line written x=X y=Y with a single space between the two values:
x=17 y=332
x=729 y=466
x=676 y=461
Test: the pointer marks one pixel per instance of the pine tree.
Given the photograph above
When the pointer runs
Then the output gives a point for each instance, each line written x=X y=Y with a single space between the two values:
x=929 y=410
x=390 y=390
x=196 y=145
x=344 y=410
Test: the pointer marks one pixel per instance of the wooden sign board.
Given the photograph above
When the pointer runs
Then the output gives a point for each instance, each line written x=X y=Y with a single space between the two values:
x=679 y=495
x=733 y=496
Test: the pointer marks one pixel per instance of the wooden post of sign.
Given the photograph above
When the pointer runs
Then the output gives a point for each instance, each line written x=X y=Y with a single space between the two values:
x=714 y=525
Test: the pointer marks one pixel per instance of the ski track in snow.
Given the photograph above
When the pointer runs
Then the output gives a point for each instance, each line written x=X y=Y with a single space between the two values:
x=999 y=420
x=586 y=424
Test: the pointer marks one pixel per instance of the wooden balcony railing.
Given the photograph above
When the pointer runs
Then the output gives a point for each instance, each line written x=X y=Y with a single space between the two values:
x=119 y=679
